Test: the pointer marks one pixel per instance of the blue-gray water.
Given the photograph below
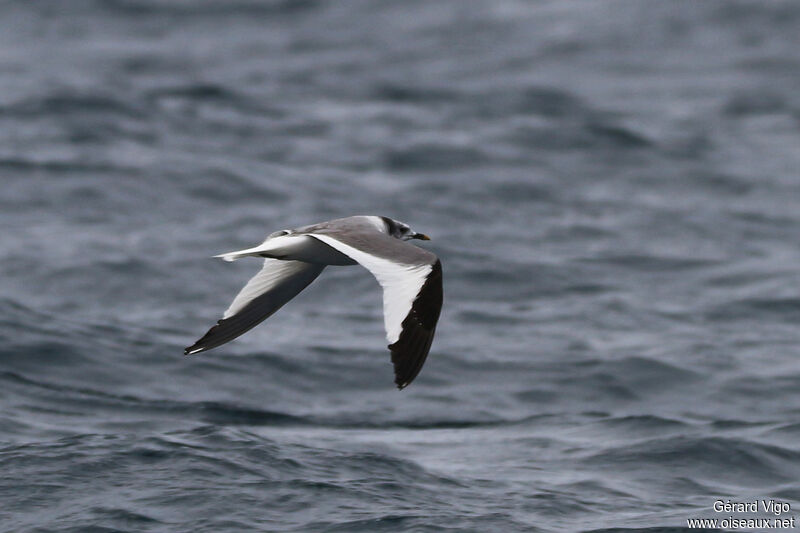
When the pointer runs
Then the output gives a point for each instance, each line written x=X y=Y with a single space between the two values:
x=613 y=189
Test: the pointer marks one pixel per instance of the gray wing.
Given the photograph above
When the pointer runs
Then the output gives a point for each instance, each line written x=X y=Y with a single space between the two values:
x=276 y=283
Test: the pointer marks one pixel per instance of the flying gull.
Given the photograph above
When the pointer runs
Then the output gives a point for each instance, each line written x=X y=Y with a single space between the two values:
x=410 y=276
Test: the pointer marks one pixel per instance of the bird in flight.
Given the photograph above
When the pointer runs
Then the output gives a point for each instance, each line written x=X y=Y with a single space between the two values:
x=411 y=278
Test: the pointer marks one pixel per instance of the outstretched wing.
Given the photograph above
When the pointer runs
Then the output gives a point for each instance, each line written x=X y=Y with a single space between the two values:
x=276 y=283
x=411 y=349
x=412 y=293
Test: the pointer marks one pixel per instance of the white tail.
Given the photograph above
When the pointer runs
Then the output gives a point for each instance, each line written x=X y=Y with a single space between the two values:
x=233 y=256
x=230 y=256
x=280 y=246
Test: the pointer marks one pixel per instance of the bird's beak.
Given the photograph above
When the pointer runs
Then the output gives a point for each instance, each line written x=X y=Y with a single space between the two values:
x=421 y=236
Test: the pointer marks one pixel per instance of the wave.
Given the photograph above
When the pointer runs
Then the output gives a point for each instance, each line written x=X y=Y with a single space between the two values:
x=65 y=399
x=65 y=102
x=434 y=156
x=726 y=459
x=758 y=308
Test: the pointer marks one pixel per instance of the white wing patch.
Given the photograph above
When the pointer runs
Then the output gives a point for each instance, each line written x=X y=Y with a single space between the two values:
x=377 y=222
x=273 y=272
x=401 y=283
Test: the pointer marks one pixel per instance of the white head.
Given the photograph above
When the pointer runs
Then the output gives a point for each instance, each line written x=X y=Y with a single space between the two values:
x=402 y=231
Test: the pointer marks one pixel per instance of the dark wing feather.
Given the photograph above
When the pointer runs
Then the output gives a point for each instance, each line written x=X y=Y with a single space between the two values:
x=278 y=291
x=411 y=349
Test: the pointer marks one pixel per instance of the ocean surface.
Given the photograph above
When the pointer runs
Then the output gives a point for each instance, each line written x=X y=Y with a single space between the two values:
x=613 y=188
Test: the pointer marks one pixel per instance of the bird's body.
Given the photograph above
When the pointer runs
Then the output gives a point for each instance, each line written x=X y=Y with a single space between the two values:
x=410 y=276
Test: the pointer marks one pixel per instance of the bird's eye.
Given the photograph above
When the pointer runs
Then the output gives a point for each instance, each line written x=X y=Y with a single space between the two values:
x=278 y=233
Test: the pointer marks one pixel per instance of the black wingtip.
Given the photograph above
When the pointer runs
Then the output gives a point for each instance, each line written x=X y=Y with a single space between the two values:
x=194 y=348
x=203 y=343
x=411 y=349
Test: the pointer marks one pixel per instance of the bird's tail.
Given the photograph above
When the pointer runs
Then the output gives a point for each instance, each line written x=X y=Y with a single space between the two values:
x=276 y=247
x=249 y=252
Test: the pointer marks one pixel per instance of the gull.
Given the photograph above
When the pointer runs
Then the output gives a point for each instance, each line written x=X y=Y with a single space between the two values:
x=411 y=278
